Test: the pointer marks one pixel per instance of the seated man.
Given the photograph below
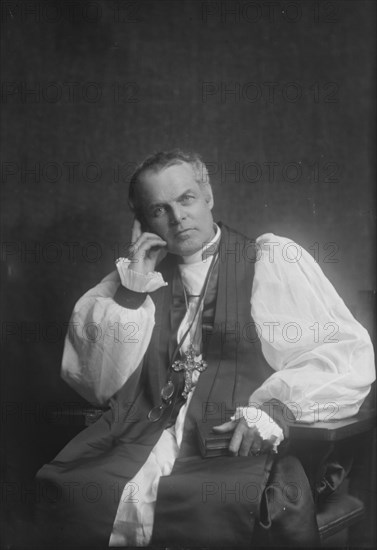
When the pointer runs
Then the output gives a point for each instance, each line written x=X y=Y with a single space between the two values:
x=199 y=323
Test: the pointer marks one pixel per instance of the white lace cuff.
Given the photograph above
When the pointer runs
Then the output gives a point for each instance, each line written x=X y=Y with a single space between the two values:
x=138 y=282
x=267 y=428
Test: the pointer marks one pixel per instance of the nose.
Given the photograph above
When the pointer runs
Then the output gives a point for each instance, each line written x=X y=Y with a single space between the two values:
x=176 y=214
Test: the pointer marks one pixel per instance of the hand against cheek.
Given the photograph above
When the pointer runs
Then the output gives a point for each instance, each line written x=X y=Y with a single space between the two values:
x=146 y=251
x=245 y=440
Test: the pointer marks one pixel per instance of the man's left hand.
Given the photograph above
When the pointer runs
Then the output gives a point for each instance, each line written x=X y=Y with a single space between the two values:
x=245 y=440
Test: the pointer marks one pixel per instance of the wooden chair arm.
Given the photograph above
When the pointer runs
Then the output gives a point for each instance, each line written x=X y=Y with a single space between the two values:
x=333 y=430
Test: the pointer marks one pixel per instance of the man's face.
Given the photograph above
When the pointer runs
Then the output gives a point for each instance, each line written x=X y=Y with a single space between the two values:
x=177 y=208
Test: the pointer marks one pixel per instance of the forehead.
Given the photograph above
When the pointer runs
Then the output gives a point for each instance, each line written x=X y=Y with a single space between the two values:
x=166 y=184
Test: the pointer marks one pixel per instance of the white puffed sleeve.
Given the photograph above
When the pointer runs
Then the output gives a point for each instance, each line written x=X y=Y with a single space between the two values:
x=322 y=356
x=106 y=342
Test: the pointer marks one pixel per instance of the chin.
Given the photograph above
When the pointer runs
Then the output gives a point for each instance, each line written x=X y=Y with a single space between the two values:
x=186 y=249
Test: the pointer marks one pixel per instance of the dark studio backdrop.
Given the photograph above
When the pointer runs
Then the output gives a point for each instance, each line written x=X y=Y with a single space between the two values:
x=278 y=98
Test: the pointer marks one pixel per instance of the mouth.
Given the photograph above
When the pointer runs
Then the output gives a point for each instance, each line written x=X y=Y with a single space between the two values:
x=183 y=232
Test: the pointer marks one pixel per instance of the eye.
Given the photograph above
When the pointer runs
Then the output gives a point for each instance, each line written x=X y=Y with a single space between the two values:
x=187 y=198
x=158 y=211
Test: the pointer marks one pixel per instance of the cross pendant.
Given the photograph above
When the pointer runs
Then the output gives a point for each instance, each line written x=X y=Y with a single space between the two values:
x=188 y=365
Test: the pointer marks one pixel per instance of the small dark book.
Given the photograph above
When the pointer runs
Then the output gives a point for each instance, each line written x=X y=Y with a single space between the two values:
x=211 y=443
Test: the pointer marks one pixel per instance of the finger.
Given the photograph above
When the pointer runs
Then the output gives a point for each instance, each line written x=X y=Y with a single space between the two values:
x=236 y=440
x=152 y=248
x=144 y=243
x=256 y=446
x=267 y=445
x=226 y=427
x=146 y=237
x=136 y=230
x=247 y=441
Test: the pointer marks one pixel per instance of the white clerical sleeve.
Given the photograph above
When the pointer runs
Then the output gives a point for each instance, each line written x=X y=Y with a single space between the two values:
x=106 y=342
x=322 y=356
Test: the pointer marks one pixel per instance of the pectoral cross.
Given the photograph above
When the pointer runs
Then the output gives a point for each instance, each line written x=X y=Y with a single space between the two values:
x=188 y=365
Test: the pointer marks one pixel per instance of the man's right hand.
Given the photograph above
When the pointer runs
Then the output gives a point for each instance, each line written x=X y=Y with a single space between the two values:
x=146 y=250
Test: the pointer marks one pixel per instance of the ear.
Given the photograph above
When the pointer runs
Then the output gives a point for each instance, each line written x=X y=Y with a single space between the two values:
x=209 y=196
